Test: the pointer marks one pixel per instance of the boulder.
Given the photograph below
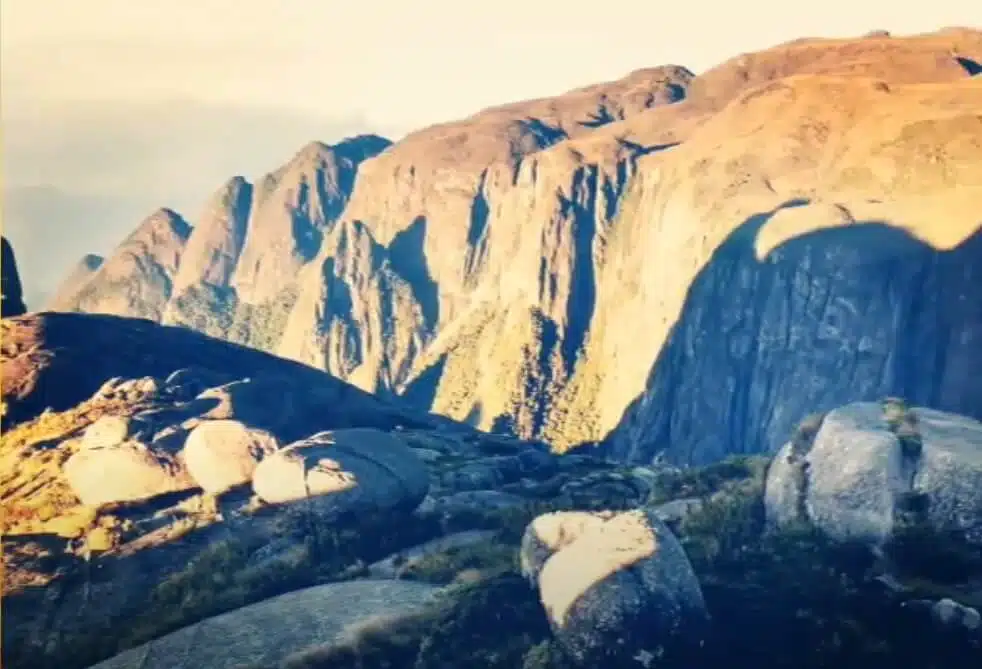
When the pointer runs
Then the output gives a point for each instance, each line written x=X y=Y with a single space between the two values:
x=126 y=472
x=222 y=454
x=344 y=470
x=614 y=585
x=860 y=476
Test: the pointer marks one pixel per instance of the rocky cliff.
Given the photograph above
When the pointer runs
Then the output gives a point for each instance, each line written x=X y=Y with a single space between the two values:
x=667 y=262
x=13 y=293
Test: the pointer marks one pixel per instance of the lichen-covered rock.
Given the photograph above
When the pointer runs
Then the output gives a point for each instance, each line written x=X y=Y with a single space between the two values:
x=860 y=477
x=126 y=472
x=222 y=454
x=344 y=470
x=614 y=585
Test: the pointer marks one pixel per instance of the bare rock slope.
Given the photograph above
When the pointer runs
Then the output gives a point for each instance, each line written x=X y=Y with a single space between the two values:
x=667 y=262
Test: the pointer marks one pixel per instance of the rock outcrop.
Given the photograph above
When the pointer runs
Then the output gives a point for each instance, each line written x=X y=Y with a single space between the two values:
x=863 y=474
x=667 y=262
x=13 y=292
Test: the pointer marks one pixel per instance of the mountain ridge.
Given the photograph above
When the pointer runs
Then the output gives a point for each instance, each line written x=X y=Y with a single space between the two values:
x=486 y=268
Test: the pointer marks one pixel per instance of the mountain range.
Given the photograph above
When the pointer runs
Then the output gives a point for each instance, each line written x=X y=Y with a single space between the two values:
x=667 y=265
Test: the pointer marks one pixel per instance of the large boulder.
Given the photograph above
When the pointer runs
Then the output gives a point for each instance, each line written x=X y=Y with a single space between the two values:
x=344 y=470
x=222 y=454
x=869 y=467
x=614 y=585
x=266 y=633
x=126 y=472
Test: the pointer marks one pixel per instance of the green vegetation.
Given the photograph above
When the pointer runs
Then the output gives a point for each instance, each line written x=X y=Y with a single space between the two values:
x=903 y=423
x=704 y=481
x=207 y=309
x=261 y=326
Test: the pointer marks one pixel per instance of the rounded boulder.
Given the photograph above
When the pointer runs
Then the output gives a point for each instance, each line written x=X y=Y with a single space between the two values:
x=223 y=454
x=614 y=585
x=344 y=471
x=126 y=472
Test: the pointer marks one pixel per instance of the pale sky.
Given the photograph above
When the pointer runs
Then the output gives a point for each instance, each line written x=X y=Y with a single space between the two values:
x=119 y=106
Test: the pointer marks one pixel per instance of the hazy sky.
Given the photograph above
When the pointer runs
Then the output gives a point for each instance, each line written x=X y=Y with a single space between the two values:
x=119 y=106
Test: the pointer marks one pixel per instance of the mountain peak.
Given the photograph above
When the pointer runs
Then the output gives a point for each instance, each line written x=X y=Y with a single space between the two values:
x=166 y=217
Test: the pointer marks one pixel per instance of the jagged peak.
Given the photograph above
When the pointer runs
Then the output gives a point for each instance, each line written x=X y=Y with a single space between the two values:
x=236 y=182
x=230 y=191
x=356 y=147
x=164 y=218
x=313 y=150
x=365 y=145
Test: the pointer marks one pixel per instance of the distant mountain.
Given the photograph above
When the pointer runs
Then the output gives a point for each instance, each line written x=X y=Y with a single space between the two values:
x=665 y=263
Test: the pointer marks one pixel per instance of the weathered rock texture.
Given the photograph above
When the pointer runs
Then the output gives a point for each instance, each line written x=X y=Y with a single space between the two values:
x=664 y=262
x=13 y=292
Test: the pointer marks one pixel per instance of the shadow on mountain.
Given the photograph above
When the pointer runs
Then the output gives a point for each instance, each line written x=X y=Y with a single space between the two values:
x=420 y=392
x=582 y=288
x=852 y=313
x=407 y=256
